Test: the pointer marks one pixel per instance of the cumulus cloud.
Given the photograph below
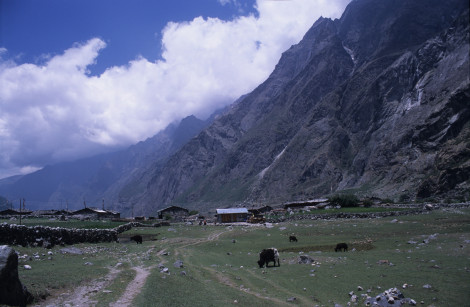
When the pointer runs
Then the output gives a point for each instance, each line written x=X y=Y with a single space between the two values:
x=57 y=111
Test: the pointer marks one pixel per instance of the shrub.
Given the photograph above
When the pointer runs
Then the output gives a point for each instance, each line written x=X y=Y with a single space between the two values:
x=344 y=200
x=367 y=202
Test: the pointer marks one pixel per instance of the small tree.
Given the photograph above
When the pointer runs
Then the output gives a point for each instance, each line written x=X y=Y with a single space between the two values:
x=344 y=200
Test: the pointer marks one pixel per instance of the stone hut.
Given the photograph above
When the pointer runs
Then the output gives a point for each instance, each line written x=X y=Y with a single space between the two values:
x=95 y=214
x=304 y=203
x=11 y=212
x=173 y=212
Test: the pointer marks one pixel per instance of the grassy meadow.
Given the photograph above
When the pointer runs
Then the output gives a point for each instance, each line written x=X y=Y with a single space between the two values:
x=219 y=263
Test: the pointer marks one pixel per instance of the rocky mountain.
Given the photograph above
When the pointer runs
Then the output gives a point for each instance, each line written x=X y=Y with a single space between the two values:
x=374 y=103
x=109 y=177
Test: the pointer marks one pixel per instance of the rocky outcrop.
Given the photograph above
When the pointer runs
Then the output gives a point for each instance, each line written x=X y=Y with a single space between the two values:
x=12 y=292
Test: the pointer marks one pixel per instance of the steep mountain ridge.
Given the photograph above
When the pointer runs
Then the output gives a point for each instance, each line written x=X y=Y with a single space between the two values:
x=349 y=107
x=113 y=177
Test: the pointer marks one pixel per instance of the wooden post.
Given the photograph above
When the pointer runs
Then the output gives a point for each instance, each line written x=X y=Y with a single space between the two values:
x=20 y=211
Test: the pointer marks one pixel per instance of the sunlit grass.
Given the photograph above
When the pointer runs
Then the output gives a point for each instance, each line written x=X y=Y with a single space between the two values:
x=220 y=262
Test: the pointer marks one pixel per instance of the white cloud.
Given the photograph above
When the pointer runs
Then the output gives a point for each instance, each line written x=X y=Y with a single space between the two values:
x=57 y=111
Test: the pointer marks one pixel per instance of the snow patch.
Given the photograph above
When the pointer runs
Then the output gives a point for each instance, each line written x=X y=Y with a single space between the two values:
x=263 y=172
x=351 y=54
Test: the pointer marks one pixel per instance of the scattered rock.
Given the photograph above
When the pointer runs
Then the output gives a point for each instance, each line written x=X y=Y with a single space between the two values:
x=428 y=207
x=27 y=267
x=305 y=259
x=71 y=250
x=391 y=297
x=178 y=264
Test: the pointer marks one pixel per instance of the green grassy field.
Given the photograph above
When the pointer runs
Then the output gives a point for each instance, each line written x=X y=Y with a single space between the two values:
x=219 y=263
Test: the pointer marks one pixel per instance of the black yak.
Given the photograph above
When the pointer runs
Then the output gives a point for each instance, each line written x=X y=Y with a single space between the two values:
x=268 y=255
x=292 y=238
x=137 y=239
x=341 y=247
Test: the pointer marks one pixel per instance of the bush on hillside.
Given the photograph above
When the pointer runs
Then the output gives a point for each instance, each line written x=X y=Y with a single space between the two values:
x=344 y=200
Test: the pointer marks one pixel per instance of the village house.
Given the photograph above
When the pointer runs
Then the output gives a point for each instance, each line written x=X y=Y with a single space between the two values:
x=95 y=214
x=304 y=203
x=260 y=210
x=232 y=215
x=51 y=213
x=11 y=212
x=173 y=212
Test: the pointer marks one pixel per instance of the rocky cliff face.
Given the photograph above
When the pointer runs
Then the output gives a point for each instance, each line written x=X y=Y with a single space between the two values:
x=376 y=103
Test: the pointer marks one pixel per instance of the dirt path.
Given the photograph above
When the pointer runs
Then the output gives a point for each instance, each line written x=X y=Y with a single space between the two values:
x=133 y=288
x=82 y=295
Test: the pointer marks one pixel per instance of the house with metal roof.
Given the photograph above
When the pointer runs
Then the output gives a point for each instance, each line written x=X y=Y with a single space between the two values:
x=94 y=213
x=232 y=215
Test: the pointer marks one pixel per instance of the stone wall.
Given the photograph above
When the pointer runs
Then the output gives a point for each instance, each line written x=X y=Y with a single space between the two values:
x=341 y=215
x=45 y=236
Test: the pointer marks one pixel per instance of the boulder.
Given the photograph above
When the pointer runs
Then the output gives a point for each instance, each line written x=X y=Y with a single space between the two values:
x=305 y=259
x=12 y=291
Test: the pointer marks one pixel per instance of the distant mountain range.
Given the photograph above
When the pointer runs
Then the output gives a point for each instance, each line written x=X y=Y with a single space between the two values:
x=376 y=103
x=103 y=178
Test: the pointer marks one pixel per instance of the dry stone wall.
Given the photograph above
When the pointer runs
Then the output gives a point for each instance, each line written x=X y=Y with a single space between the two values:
x=341 y=215
x=47 y=237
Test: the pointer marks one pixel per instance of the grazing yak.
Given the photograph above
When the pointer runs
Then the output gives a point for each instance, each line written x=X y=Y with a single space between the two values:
x=341 y=247
x=292 y=238
x=268 y=255
x=137 y=239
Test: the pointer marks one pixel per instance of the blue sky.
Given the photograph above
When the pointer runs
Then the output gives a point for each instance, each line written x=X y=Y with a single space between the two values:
x=31 y=29
x=81 y=77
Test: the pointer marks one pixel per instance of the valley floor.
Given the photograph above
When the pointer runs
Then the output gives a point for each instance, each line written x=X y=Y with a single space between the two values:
x=426 y=257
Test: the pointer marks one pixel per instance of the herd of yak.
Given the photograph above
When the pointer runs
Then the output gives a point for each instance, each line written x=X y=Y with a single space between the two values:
x=266 y=255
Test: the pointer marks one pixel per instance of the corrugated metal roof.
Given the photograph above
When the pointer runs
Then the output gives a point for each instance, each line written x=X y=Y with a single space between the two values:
x=232 y=210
